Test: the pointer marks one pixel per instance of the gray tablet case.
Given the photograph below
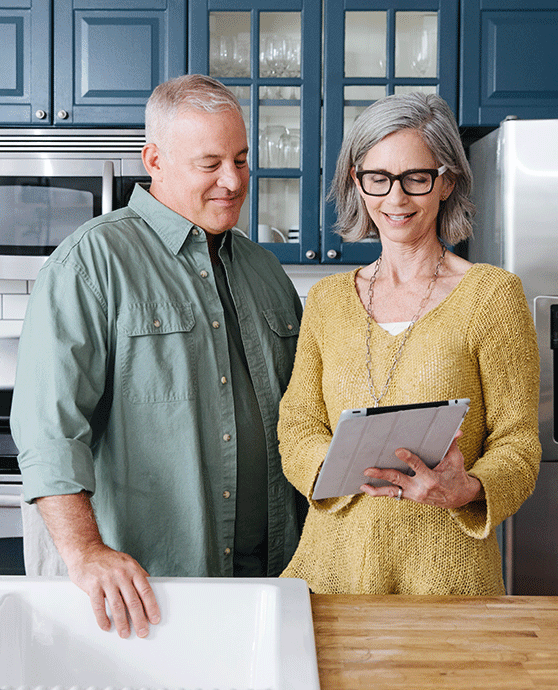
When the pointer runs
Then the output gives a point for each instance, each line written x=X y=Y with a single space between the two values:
x=369 y=437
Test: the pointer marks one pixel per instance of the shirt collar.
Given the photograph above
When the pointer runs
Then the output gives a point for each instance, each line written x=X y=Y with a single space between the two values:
x=172 y=228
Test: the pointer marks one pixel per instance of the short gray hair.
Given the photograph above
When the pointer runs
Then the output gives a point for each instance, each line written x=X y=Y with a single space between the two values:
x=432 y=118
x=188 y=92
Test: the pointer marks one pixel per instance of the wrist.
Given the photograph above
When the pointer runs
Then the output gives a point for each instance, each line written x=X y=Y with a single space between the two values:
x=477 y=489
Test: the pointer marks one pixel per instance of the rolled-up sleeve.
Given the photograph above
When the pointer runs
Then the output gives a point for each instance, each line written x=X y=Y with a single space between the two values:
x=62 y=353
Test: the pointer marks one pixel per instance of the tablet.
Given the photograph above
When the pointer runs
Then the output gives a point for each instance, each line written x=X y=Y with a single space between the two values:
x=369 y=437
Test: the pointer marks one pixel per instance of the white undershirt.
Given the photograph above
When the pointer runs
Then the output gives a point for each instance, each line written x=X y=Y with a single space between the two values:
x=396 y=327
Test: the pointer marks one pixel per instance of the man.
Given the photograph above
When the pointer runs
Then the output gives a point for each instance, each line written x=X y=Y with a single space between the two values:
x=156 y=348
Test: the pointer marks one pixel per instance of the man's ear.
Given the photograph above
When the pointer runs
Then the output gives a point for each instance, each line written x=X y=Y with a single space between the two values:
x=151 y=157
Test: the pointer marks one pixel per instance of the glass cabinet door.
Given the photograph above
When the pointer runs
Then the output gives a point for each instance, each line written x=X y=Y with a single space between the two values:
x=269 y=54
x=375 y=48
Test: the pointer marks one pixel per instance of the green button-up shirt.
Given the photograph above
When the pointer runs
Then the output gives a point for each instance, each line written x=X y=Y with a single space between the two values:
x=123 y=386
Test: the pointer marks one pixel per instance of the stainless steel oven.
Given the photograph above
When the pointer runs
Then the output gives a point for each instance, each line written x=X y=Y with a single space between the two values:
x=52 y=181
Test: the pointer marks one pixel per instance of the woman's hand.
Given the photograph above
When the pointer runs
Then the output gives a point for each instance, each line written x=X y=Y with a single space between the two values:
x=447 y=485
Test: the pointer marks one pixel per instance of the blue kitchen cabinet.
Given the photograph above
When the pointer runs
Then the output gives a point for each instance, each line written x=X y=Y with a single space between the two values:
x=375 y=48
x=87 y=62
x=25 y=50
x=372 y=48
x=269 y=53
x=508 y=61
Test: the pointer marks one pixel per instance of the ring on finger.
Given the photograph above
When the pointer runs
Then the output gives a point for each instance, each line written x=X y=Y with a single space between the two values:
x=399 y=494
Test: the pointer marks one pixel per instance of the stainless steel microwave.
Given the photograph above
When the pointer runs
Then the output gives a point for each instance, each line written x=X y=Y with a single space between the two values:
x=52 y=181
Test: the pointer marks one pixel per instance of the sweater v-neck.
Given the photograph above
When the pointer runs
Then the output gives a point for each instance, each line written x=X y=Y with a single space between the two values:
x=448 y=297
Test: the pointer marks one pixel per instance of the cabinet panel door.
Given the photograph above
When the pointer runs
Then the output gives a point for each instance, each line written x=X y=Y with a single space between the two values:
x=374 y=48
x=24 y=56
x=108 y=60
x=509 y=64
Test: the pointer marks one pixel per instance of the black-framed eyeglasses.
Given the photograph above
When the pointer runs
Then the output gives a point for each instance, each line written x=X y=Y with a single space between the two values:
x=413 y=182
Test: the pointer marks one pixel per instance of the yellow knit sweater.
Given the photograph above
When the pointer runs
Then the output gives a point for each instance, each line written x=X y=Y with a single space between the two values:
x=479 y=343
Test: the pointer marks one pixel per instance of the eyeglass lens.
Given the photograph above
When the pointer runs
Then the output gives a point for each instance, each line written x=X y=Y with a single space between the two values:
x=415 y=182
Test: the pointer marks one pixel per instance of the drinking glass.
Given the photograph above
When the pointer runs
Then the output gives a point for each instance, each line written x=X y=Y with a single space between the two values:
x=289 y=145
x=241 y=55
x=273 y=134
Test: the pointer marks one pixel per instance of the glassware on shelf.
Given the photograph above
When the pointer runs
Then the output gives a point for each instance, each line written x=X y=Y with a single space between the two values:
x=275 y=56
x=416 y=44
x=241 y=54
x=421 y=47
x=230 y=56
x=221 y=56
x=271 y=142
x=289 y=145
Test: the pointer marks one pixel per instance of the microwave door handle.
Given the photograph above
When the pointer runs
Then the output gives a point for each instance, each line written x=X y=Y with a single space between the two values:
x=10 y=501
x=106 y=193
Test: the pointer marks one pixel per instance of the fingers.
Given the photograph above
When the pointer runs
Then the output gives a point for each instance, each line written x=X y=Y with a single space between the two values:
x=390 y=491
x=131 y=601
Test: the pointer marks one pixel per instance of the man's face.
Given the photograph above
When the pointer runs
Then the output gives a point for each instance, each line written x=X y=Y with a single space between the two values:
x=204 y=174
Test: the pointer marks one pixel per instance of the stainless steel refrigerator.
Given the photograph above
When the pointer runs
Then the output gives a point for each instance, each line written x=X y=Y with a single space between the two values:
x=515 y=171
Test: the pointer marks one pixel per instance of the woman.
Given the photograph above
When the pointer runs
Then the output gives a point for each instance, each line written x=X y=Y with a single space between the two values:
x=419 y=324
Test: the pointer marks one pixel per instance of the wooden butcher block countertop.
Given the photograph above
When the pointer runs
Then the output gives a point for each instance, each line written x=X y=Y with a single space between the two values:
x=412 y=642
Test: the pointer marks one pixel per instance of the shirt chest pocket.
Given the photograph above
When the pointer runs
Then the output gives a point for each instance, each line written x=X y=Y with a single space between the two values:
x=282 y=327
x=156 y=351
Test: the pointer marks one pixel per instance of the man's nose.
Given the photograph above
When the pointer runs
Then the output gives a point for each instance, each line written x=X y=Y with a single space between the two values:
x=231 y=177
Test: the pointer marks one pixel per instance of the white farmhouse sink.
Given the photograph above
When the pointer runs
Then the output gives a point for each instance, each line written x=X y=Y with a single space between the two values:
x=215 y=634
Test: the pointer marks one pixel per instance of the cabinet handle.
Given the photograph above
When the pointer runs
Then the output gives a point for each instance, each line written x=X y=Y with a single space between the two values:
x=310 y=254
x=40 y=114
x=332 y=254
x=62 y=114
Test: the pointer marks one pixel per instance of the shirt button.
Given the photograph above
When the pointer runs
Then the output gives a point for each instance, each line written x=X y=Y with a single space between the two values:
x=290 y=326
x=227 y=551
x=223 y=380
x=216 y=324
x=195 y=232
x=156 y=323
x=226 y=494
x=204 y=274
x=226 y=437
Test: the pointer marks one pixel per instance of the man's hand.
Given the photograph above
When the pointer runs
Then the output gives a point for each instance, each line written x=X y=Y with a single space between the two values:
x=101 y=572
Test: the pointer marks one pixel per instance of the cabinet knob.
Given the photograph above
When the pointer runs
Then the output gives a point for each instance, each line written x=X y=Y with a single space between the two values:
x=332 y=254
x=62 y=114
x=40 y=114
x=310 y=254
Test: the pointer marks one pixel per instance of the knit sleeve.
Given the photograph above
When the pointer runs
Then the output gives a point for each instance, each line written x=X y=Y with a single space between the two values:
x=304 y=427
x=504 y=341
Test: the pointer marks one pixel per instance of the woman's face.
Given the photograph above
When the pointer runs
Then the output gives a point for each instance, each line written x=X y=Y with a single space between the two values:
x=399 y=216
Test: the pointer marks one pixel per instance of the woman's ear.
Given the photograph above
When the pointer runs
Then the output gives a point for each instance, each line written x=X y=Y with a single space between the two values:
x=449 y=185
x=355 y=180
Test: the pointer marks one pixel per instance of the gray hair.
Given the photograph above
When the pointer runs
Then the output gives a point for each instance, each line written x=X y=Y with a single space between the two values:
x=429 y=115
x=188 y=92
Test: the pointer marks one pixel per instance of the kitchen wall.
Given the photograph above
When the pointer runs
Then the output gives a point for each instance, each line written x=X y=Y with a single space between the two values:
x=14 y=295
